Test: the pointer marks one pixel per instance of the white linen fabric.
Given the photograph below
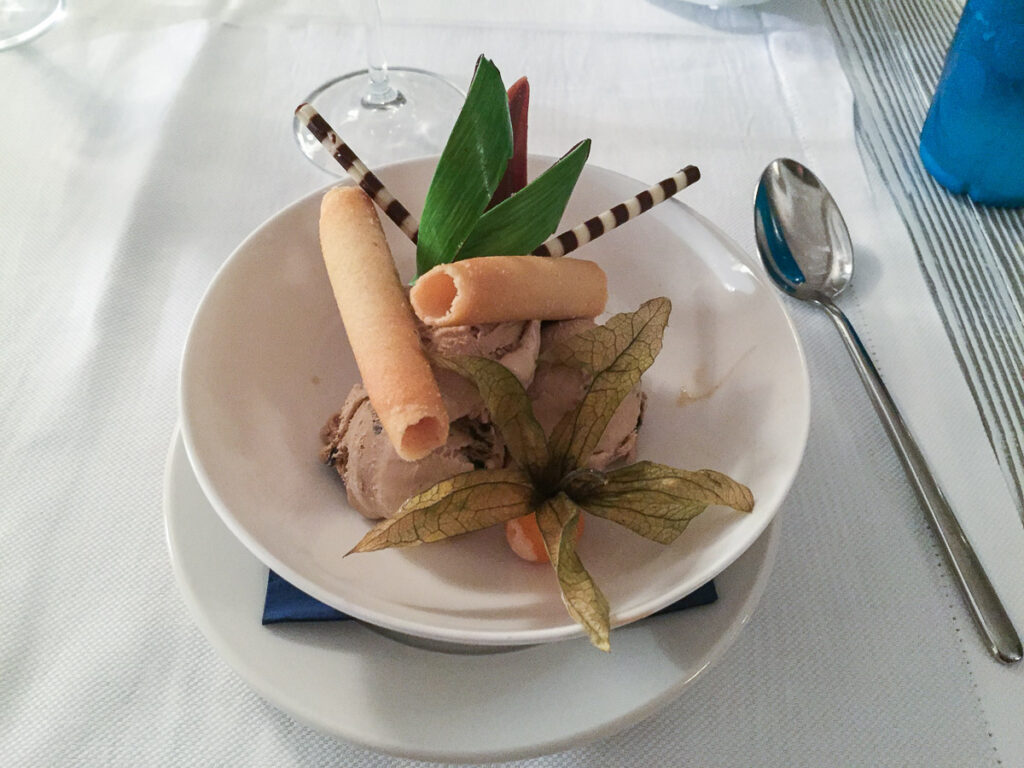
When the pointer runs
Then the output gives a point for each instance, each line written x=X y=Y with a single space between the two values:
x=141 y=144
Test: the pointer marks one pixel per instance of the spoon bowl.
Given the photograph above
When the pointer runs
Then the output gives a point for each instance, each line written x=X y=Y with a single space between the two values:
x=806 y=249
x=801 y=234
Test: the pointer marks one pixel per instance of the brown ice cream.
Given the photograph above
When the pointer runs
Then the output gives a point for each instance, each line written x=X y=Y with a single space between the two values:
x=378 y=481
x=376 y=478
x=514 y=345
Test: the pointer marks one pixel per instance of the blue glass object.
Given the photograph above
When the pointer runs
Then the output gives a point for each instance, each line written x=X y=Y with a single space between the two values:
x=973 y=138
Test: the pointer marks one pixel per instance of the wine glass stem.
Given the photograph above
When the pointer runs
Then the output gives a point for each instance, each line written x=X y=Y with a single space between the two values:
x=381 y=94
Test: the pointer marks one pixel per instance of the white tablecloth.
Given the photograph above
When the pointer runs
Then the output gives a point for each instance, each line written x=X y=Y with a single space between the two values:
x=142 y=143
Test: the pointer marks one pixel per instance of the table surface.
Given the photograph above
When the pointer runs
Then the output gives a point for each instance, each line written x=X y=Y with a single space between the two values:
x=142 y=142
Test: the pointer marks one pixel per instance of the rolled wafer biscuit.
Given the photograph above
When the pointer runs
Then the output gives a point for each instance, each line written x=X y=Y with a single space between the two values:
x=496 y=289
x=380 y=325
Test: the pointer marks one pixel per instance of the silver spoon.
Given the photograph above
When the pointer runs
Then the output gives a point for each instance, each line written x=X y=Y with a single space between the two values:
x=806 y=249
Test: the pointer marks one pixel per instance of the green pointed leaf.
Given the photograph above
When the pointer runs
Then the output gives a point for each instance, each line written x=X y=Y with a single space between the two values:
x=509 y=406
x=658 y=502
x=557 y=518
x=529 y=217
x=470 y=167
x=617 y=354
x=463 y=503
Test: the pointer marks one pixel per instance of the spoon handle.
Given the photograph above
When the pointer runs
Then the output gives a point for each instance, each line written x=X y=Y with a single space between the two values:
x=992 y=620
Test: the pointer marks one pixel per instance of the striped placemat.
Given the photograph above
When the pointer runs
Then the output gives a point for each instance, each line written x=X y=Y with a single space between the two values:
x=972 y=256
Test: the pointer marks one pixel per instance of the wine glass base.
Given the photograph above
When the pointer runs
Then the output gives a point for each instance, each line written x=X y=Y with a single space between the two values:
x=415 y=124
x=24 y=21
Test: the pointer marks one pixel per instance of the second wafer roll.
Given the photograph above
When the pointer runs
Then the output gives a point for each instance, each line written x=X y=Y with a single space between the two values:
x=495 y=289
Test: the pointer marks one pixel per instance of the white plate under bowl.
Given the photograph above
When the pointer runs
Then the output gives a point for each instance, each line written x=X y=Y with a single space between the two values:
x=267 y=362
x=350 y=681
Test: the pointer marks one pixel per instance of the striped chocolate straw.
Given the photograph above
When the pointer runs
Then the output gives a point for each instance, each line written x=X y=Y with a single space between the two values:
x=354 y=167
x=570 y=240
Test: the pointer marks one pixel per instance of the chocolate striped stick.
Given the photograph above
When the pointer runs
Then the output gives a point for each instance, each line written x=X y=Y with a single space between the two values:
x=363 y=176
x=570 y=240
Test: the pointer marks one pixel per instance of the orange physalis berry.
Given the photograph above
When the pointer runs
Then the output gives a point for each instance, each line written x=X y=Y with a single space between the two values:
x=523 y=535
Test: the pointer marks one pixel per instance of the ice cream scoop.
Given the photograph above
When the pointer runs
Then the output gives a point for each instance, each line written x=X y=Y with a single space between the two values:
x=515 y=345
x=377 y=480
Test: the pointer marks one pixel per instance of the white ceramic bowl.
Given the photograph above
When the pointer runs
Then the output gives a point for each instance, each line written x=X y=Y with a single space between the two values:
x=267 y=362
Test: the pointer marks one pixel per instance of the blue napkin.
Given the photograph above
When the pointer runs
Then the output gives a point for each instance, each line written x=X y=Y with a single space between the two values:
x=285 y=603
